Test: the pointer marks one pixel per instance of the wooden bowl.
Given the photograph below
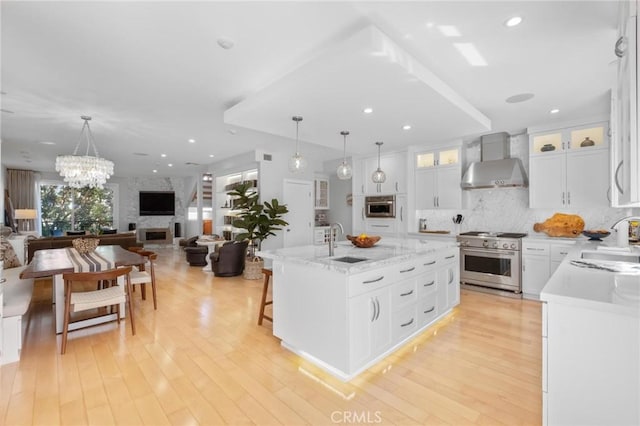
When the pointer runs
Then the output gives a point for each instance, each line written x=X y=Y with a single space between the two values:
x=85 y=245
x=367 y=242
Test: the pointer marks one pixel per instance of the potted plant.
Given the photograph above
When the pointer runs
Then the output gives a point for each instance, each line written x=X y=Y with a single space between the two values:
x=258 y=221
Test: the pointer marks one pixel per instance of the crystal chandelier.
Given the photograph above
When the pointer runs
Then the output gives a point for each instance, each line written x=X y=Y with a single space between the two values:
x=378 y=176
x=344 y=169
x=297 y=163
x=84 y=170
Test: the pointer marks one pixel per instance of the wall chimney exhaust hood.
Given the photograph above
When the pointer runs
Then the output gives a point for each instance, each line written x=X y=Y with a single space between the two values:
x=496 y=169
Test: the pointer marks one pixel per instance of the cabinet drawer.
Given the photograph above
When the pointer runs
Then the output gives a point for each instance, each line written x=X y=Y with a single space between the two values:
x=410 y=269
x=403 y=293
x=426 y=284
x=449 y=256
x=404 y=323
x=531 y=248
x=559 y=251
x=429 y=264
x=428 y=308
x=371 y=280
x=380 y=226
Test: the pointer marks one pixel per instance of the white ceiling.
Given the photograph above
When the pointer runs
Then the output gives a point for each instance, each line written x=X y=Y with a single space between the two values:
x=153 y=76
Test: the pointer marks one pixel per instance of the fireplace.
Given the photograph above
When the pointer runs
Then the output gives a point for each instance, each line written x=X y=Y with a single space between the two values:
x=155 y=235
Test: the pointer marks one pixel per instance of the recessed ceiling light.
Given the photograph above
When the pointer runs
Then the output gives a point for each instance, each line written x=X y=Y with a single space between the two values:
x=225 y=43
x=155 y=171
x=520 y=97
x=406 y=127
x=163 y=155
x=170 y=165
x=192 y=141
x=554 y=111
x=471 y=54
x=211 y=155
x=367 y=110
x=47 y=143
x=512 y=22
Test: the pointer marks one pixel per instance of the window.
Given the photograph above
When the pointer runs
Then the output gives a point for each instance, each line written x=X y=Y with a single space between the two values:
x=63 y=208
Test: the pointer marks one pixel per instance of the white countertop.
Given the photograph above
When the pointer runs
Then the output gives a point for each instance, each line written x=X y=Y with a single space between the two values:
x=387 y=251
x=542 y=236
x=602 y=290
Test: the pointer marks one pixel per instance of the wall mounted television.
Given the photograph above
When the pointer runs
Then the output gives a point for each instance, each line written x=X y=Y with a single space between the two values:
x=157 y=203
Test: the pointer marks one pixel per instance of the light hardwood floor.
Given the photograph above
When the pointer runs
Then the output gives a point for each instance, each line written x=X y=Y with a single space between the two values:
x=201 y=358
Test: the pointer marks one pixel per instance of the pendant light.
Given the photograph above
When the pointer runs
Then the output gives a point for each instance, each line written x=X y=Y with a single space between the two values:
x=378 y=176
x=297 y=163
x=344 y=169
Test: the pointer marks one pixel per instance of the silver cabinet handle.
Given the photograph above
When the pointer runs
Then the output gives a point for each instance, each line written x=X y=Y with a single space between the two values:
x=568 y=197
x=373 y=316
x=620 y=49
x=407 y=323
x=450 y=272
x=409 y=293
x=563 y=198
x=378 y=305
x=374 y=281
x=363 y=213
x=429 y=310
x=408 y=270
x=363 y=188
x=401 y=211
x=437 y=201
x=620 y=190
x=397 y=190
x=434 y=201
x=430 y=263
x=379 y=226
x=429 y=284
x=450 y=257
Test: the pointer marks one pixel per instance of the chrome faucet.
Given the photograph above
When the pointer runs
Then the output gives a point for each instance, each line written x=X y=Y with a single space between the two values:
x=332 y=240
x=624 y=218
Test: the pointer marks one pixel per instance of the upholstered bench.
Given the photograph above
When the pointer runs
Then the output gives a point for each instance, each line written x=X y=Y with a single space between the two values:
x=16 y=300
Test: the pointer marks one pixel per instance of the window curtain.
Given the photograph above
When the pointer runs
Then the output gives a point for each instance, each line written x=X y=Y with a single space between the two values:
x=21 y=185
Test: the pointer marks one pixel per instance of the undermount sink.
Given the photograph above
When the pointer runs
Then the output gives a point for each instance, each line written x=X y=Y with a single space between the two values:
x=349 y=259
x=614 y=256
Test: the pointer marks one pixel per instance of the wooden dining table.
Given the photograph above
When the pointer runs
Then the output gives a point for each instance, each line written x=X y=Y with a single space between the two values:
x=55 y=262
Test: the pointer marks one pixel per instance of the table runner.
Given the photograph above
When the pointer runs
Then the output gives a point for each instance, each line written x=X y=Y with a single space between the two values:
x=89 y=262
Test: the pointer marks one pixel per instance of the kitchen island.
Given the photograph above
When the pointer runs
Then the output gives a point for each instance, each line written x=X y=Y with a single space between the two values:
x=591 y=338
x=348 y=311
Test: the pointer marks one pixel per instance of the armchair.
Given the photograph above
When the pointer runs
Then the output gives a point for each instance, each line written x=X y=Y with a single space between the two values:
x=228 y=259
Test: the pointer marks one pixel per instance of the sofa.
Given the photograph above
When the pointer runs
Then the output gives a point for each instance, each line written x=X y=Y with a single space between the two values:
x=124 y=240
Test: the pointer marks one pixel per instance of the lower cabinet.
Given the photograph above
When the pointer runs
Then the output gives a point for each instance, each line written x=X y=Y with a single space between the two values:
x=540 y=259
x=369 y=325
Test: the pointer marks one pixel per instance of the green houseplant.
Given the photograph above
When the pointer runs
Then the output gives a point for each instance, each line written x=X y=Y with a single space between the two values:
x=257 y=220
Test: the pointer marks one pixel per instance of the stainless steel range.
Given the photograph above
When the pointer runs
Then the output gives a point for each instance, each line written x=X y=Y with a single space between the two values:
x=490 y=261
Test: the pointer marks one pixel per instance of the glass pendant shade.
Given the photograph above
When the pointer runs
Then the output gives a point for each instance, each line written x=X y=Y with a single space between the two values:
x=297 y=163
x=378 y=176
x=79 y=171
x=344 y=171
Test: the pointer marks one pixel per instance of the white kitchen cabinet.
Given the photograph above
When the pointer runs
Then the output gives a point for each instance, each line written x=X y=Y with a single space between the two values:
x=402 y=218
x=357 y=215
x=385 y=227
x=569 y=167
x=394 y=166
x=321 y=190
x=540 y=259
x=437 y=179
x=625 y=149
x=370 y=325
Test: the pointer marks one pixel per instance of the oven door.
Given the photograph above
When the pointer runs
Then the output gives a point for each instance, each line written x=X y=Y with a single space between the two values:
x=491 y=268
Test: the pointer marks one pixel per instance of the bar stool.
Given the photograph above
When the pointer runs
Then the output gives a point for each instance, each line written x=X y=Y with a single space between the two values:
x=267 y=275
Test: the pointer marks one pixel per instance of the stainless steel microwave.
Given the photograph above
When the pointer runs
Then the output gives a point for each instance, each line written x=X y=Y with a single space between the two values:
x=380 y=206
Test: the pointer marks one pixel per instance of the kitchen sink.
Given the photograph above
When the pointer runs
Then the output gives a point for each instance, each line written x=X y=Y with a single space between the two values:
x=349 y=259
x=614 y=256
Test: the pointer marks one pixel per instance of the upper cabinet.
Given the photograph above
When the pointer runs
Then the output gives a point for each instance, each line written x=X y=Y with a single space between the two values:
x=437 y=179
x=393 y=165
x=321 y=189
x=569 y=167
x=625 y=152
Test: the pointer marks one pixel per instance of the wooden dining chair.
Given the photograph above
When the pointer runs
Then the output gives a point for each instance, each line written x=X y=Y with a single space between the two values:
x=144 y=273
x=77 y=300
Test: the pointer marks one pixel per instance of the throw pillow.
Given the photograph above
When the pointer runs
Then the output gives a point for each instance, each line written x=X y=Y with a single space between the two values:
x=8 y=255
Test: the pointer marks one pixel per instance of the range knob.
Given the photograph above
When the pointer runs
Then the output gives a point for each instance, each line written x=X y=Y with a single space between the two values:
x=485 y=243
x=505 y=245
x=513 y=245
x=495 y=244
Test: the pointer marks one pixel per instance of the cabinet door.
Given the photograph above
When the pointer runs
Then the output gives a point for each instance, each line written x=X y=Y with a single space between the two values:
x=401 y=215
x=394 y=167
x=547 y=181
x=358 y=218
x=425 y=189
x=322 y=193
x=358 y=178
x=535 y=273
x=381 y=327
x=449 y=193
x=588 y=178
x=369 y=326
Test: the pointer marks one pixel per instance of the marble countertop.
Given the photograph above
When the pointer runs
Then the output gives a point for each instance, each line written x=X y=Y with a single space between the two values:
x=387 y=251
x=617 y=292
